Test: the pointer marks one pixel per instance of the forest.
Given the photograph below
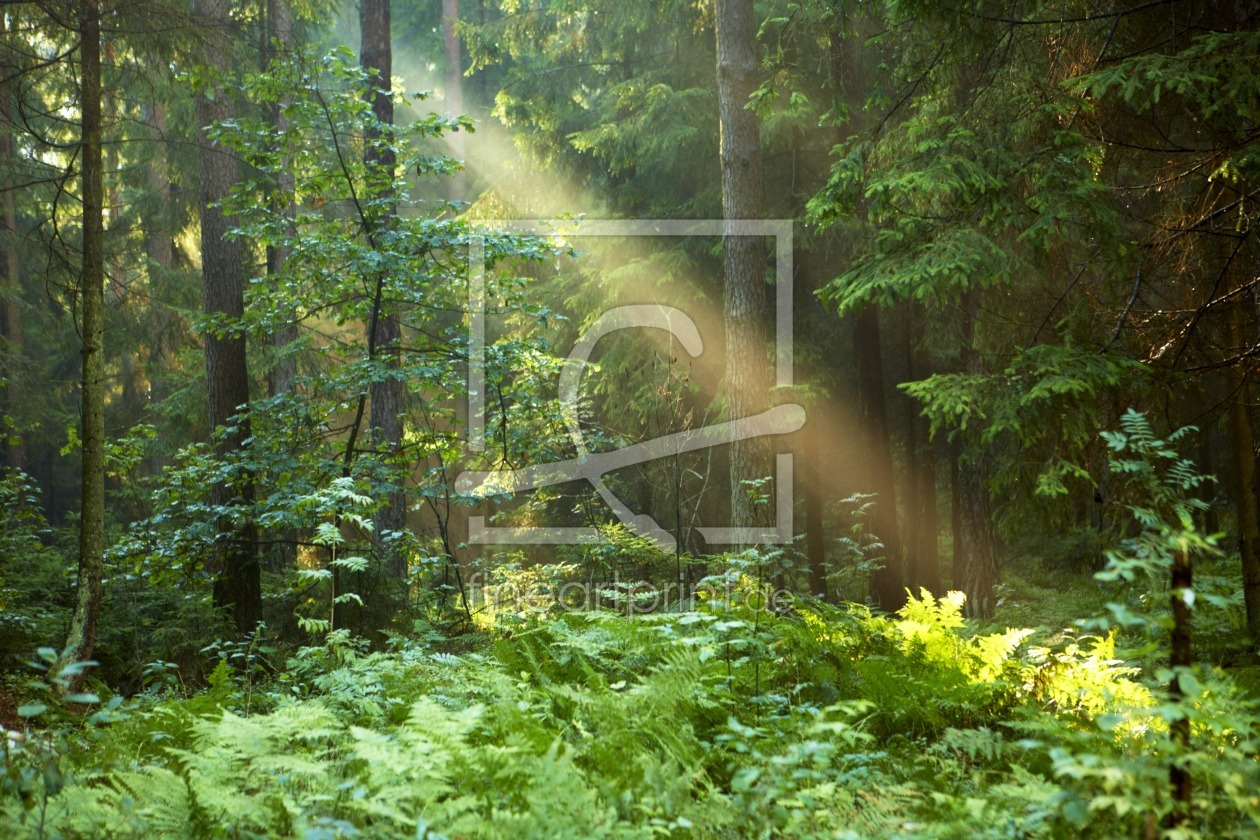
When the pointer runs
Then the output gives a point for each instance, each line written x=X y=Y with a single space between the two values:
x=629 y=418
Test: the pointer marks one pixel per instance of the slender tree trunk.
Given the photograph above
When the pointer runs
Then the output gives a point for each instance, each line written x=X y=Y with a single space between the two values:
x=957 y=568
x=1246 y=477
x=280 y=377
x=283 y=371
x=747 y=375
x=912 y=487
x=886 y=583
x=979 y=571
x=159 y=245
x=455 y=94
x=1207 y=492
x=387 y=394
x=815 y=542
x=11 y=282
x=929 y=557
x=81 y=638
x=921 y=520
x=238 y=585
x=129 y=368
x=160 y=251
x=1181 y=659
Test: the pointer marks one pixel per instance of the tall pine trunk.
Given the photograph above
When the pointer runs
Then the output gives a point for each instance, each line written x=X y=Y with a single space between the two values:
x=11 y=281
x=238 y=585
x=386 y=394
x=458 y=189
x=815 y=537
x=974 y=557
x=923 y=557
x=280 y=377
x=159 y=248
x=1246 y=478
x=747 y=376
x=81 y=637
x=1181 y=659
x=283 y=371
x=886 y=582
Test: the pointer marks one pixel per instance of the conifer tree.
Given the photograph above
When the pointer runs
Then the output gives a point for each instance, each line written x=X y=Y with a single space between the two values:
x=744 y=262
x=81 y=637
x=376 y=54
x=238 y=584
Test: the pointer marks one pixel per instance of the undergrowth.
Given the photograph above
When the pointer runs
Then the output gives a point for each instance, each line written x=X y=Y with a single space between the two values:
x=740 y=716
x=717 y=722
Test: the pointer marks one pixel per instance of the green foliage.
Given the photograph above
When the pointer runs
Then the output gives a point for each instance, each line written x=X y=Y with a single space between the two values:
x=30 y=571
x=1040 y=470
x=1158 y=487
x=727 y=721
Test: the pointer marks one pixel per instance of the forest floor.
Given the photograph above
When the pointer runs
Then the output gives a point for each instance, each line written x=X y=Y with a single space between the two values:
x=718 y=722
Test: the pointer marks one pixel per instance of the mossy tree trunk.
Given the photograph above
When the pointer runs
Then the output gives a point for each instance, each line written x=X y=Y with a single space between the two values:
x=972 y=536
x=887 y=588
x=81 y=638
x=1246 y=487
x=11 y=322
x=385 y=393
x=238 y=586
x=743 y=257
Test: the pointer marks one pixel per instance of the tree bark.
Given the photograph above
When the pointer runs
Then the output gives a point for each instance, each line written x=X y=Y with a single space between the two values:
x=238 y=585
x=10 y=283
x=284 y=371
x=747 y=376
x=923 y=557
x=386 y=395
x=455 y=94
x=928 y=559
x=160 y=253
x=886 y=583
x=1246 y=477
x=957 y=569
x=971 y=539
x=81 y=638
x=1207 y=491
x=1181 y=659
x=815 y=542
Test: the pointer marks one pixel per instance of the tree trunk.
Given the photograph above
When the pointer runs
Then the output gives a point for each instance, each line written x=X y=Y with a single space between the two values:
x=81 y=637
x=924 y=562
x=1181 y=659
x=957 y=568
x=1246 y=477
x=886 y=583
x=747 y=375
x=929 y=559
x=10 y=283
x=455 y=94
x=280 y=377
x=979 y=571
x=815 y=542
x=283 y=370
x=159 y=248
x=1207 y=491
x=911 y=486
x=386 y=395
x=238 y=586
